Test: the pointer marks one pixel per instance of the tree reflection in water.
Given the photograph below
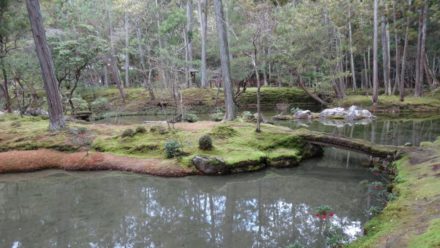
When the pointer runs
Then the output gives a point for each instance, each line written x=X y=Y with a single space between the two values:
x=273 y=208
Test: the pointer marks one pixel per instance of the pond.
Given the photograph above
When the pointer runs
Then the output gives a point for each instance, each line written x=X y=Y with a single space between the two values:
x=271 y=208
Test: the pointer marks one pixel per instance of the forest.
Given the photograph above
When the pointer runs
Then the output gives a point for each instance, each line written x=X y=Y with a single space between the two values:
x=295 y=123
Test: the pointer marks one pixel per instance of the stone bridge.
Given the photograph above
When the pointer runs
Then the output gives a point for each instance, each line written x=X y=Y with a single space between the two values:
x=356 y=145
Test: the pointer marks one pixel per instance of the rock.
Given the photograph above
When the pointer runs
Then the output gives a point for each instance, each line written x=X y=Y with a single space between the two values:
x=210 y=166
x=2 y=113
x=36 y=112
x=333 y=113
x=351 y=114
x=303 y=114
x=408 y=144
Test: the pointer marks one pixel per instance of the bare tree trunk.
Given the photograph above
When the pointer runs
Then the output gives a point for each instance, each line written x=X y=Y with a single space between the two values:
x=402 y=71
x=112 y=61
x=257 y=75
x=353 y=76
x=375 y=72
x=162 y=62
x=146 y=80
x=386 y=72
x=54 y=103
x=127 y=54
x=203 y=17
x=433 y=82
x=225 y=63
x=189 y=30
x=420 y=51
x=5 y=88
x=397 y=44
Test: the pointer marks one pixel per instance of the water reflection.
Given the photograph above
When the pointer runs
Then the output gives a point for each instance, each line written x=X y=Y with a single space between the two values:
x=381 y=130
x=273 y=208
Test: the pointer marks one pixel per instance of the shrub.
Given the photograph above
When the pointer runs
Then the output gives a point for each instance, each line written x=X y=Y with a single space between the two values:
x=79 y=104
x=100 y=105
x=140 y=129
x=191 y=118
x=172 y=149
x=127 y=133
x=218 y=116
x=205 y=142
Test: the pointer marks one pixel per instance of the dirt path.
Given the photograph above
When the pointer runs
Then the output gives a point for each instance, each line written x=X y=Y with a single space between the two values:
x=27 y=161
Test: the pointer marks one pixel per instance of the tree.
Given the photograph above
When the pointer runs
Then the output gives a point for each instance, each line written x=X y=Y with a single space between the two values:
x=54 y=103
x=375 y=72
x=203 y=19
x=224 y=58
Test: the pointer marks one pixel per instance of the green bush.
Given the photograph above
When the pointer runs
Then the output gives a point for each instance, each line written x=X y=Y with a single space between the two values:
x=140 y=129
x=79 y=104
x=205 y=142
x=127 y=133
x=100 y=105
x=218 y=116
x=191 y=117
x=172 y=148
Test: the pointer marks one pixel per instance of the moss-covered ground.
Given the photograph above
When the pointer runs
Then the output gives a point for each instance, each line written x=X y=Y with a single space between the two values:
x=413 y=219
x=234 y=142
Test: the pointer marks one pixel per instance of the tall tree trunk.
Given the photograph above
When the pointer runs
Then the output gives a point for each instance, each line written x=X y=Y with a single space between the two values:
x=162 y=62
x=257 y=75
x=54 y=103
x=402 y=71
x=225 y=63
x=353 y=76
x=420 y=51
x=189 y=34
x=145 y=75
x=375 y=72
x=203 y=18
x=127 y=54
x=433 y=81
x=397 y=44
x=5 y=88
x=385 y=58
x=112 y=62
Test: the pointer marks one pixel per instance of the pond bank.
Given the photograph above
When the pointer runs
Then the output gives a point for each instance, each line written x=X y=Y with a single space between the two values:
x=413 y=218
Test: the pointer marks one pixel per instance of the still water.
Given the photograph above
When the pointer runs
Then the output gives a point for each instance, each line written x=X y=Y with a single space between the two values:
x=271 y=208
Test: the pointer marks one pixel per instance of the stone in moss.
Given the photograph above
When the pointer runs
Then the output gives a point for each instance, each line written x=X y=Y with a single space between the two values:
x=205 y=142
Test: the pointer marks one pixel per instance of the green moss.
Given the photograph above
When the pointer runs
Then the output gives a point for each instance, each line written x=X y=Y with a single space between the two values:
x=270 y=96
x=406 y=218
x=223 y=131
x=431 y=238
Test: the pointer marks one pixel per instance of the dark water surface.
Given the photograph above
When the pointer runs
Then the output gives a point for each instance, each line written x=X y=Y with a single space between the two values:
x=271 y=208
